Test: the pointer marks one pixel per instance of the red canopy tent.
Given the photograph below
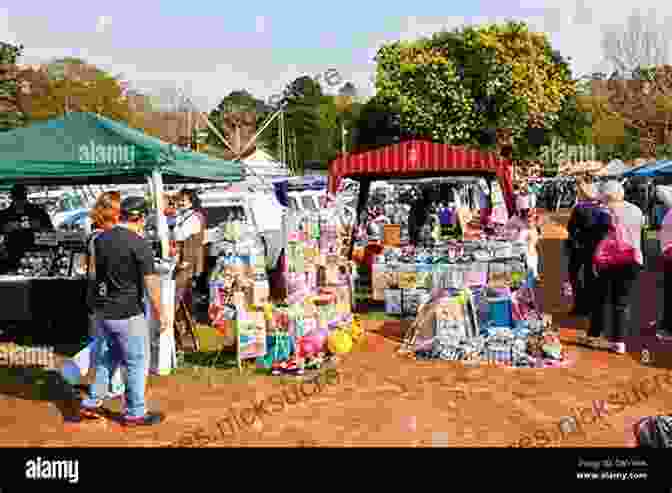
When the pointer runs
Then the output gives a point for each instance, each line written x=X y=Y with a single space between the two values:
x=420 y=159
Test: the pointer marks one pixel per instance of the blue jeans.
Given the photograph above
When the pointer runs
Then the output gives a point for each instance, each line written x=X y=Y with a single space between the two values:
x=123 y=342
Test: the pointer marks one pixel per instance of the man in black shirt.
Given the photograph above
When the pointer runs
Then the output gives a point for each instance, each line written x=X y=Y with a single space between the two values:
x=124 y=266
x=18 y=224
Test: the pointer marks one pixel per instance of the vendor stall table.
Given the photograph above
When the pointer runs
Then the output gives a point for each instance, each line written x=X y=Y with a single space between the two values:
x=54 y=306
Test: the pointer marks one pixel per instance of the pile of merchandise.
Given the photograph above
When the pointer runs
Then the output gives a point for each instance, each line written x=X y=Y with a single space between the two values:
x=55 y=254
x=454 y=209
x=483 y=326
x=312 y=315
x=410 y=273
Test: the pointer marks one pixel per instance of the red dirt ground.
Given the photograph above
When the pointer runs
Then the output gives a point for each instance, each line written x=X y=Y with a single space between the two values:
x=382 y=400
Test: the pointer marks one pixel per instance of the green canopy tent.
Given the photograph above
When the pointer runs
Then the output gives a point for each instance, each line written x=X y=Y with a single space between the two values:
x=84 y=148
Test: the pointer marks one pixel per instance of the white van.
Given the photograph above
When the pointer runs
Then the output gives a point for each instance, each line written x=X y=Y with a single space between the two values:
x=311 y=200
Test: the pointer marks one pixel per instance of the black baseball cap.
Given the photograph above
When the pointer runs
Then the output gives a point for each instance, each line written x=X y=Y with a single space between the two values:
x=133 y=207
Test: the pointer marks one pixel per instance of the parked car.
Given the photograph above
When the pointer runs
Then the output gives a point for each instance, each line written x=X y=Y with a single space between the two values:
x=75 y=221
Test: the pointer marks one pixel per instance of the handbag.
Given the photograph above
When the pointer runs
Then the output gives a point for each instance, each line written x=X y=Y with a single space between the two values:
x=613 y=250
x=654 y=432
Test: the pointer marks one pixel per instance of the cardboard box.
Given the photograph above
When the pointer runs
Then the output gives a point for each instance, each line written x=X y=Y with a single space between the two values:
x=258 y=317
x=450 y=309
x=309 y=310
x=384 y=276
x=343 y=308
x=343 y=295
x=240 y=298
x=332 y=274
x=310 y=255
x=392 y=235
x=259 y=293
x=423 y=277
x=408 y=279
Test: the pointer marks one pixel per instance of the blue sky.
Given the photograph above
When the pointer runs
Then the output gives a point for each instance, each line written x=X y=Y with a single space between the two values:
x=211 y=47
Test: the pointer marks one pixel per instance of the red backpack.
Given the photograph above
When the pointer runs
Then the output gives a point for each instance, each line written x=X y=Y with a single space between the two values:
x=613 y=250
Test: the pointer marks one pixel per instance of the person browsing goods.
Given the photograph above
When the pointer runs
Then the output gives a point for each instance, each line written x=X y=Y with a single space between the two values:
x=188 y=235
x=18 y=224
x=124 y=264
x=104 y=216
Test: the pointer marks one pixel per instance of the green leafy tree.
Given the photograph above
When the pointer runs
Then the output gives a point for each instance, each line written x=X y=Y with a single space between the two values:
x=458 y=84
x=10 y=113
x=375 y=125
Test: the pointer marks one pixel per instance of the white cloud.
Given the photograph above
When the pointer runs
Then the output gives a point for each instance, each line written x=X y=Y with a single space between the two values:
x=103 y=22
x=6 y=33
x=574 y=28
x=260 y=24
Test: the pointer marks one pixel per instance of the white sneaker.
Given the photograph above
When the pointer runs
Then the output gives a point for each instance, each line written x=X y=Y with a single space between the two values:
x=617 y=347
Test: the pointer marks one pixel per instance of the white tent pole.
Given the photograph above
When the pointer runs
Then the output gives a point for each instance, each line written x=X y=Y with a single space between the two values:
x=161 y=223
x=283 y=157
x=256 y=135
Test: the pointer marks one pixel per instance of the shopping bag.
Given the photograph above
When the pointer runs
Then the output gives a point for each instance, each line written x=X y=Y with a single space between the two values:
x=613 y=250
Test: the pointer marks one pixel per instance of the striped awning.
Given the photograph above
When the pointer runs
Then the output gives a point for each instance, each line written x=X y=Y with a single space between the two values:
x=421 y=158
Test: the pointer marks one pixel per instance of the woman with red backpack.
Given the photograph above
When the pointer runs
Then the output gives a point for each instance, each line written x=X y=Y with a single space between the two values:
x=617 y=261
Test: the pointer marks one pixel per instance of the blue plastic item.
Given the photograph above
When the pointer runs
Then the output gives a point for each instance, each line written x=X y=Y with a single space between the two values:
x=499 y=313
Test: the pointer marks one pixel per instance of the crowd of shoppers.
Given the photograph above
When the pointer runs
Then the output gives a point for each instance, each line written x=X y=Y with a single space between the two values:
x=603 y=291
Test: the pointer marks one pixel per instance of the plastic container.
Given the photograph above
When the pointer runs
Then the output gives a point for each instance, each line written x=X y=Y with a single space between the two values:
x=499 y=313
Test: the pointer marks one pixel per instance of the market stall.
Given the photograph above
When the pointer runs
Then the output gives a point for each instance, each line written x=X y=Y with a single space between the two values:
x=82 y=148
x=448 y=253
x=284 y=300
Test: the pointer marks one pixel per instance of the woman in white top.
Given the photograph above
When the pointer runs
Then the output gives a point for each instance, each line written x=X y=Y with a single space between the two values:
x=523 y=227
x=614 y=285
